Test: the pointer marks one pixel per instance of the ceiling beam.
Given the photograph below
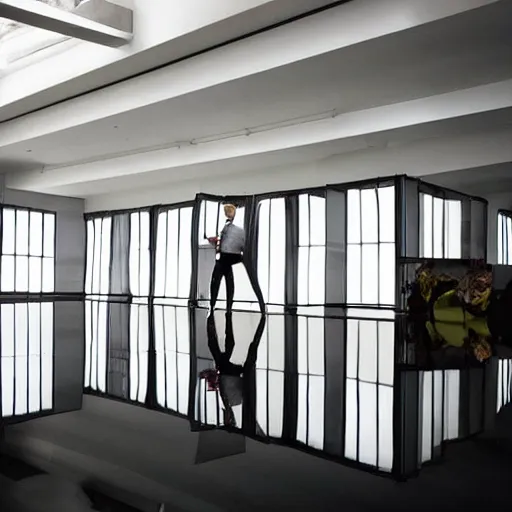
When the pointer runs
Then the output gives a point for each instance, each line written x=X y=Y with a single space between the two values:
x=40 y=15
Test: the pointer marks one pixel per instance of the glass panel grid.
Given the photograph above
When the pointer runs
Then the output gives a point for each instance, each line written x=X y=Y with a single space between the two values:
x=371 y=246
x=27 y=347
x=97 y=287
x=504 y=249
x=311 y=251
x=272 y=250
x=172 y=342
x=26 y=355
x=270 y=373
x=369 y=392
x=440 y=227
x=28 y=251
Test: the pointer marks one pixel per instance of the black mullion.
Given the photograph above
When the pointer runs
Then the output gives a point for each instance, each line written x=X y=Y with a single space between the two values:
x=504 y=384
x=432 y=417
x=443 y=390
x=204 y=217
x=28 y=358
x=164 y=341
x=378 y=245
x=27 y=319
x=269 y=253
x=164 y=309
x=377 y=325
x=509 y=379
x=377 y=388
x=90 y=304
x=178 y=263
x=505 y=229
x=137 y=333
x=28 y=252
x=308 y=259
x=166 y=249
x=504 y=241
x=443 y=227
x=433 y=227
x=151 y=399
x=15 y=357
x=42 y=253
x=358 y=415
x=307 y=381
x=139 y=253
x=270 y=201
x=177 y=359
x=98 y=304
x=15 y=248
x=360 y=247
x=41 y=357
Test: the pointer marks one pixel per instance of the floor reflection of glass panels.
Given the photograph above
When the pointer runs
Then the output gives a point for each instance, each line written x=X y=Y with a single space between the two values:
x=287 y=394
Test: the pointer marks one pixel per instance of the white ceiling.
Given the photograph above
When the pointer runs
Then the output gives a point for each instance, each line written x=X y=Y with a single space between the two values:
x=461 y=52
x=451 y=54
x=486 y=180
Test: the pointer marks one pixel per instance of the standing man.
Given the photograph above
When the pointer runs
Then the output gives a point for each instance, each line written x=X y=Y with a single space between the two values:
x=230 y=246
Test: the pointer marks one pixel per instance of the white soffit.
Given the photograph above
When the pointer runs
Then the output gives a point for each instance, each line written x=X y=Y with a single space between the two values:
x=40 y=15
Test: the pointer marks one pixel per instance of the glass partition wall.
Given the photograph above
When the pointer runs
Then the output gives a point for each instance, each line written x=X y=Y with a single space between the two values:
x=312 y=353
x=27 y=311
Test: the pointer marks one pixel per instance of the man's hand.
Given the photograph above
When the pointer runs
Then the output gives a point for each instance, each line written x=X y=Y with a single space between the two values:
x=213 y=240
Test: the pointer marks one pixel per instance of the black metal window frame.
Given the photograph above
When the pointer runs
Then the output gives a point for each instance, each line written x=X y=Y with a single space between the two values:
x=165 y=304
x=26 y=301
x=504 y=237
x=404 y=410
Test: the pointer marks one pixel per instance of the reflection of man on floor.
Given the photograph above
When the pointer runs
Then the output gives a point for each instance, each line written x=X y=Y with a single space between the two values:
x=233 y=381
x=230 y=246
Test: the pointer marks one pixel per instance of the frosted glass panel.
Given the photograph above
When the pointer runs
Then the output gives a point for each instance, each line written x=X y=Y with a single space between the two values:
x=36 y=234
x=504 y=248
x=304 y=220
x=427 y=415
x=438 y=226
x=351 y=411
x=49 y=235
x=368 y=423
x=370 y=217
x=353 y=217
x=368 y=350
x=451 y=404
x=317 y=217
x=441 y=227
x=26 y=356
x=453 y=223
x=354 y=278
x=22 y=231
x=385 y=428
x=386 y=196
x=9 y=231
x=387 y=274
